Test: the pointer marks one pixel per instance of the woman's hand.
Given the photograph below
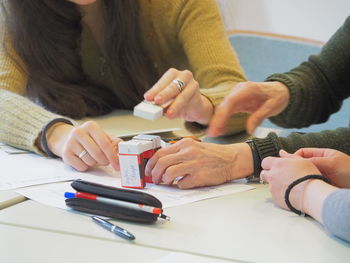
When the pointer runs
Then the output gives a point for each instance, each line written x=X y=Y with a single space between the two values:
x=281 y=172
x=331 y=163
x=70 y=143
x=261 y=99
x=188 y=103
x=196 y=164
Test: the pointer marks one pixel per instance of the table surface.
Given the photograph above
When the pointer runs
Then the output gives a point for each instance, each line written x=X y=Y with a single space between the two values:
x=245 y=227
x=242 y=227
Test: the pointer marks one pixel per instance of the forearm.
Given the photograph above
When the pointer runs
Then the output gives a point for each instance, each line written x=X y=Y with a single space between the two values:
x=314 y=196
x=212 y=59
x=322 y=80
x=336 y=213
x=338 y=139
x=22 y=121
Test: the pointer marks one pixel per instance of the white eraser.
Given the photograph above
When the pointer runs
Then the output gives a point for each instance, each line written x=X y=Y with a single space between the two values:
x=148 y=110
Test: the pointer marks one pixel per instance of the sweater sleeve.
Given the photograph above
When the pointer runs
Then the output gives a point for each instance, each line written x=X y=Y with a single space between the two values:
x=318 y=86
x=338 y=139
x=212 y=59
x=21 y=121
x=336 y=214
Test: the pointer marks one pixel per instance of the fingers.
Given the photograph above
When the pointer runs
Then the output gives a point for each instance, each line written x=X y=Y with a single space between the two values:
x=311 y=152
x=268 y=162
x=224 y=111
x=181 y=102
x=165 y=89
x=189 y=181
x=167 y=167
x=105 y=152
x=257 y=117
x=115 y=144
x=71 y=158
x=265 y=176
x=100 y=148
x=284 y=154
x=159 y=154
x=168 y=76
x=171 y=162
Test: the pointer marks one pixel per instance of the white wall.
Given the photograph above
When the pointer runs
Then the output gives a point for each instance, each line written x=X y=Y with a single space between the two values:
x=313 y=19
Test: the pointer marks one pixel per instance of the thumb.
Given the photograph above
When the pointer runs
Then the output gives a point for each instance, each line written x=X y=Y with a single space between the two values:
x=257 y=117
x=285 y=154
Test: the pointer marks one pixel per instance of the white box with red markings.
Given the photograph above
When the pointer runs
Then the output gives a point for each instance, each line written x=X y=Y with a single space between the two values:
x=133 y=157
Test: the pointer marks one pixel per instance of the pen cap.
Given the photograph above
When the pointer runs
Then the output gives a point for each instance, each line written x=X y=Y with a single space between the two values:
x=69 y=195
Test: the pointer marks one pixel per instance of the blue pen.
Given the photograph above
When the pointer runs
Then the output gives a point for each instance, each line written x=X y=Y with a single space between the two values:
x=113 y=228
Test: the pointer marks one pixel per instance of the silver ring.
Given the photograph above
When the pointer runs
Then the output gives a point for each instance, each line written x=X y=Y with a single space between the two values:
x=82 y=154
x=180 y=85
x=262 y=181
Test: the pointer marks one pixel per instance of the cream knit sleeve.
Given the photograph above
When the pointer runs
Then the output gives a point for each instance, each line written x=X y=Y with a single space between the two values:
x=21 y=120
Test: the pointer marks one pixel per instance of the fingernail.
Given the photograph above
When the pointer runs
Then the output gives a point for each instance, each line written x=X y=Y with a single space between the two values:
x=282 y=152
x=158 y=98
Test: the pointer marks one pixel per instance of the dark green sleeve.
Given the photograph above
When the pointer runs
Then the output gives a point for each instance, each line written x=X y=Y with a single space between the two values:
x=319 y=85
x=338 y=139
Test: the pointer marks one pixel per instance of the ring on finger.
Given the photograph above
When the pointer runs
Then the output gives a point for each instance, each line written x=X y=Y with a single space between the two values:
x=180 y=85
x=82 y=154
x=262 y=181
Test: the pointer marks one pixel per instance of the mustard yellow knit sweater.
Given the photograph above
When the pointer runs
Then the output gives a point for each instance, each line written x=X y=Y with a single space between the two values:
x=182 y=34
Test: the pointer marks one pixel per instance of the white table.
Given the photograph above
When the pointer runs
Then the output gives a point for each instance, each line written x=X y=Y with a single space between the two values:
x=245 y=227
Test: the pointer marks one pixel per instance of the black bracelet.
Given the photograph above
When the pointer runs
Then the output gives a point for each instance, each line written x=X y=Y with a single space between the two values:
x=43 y=139
x=256 y=161
x=298 y=181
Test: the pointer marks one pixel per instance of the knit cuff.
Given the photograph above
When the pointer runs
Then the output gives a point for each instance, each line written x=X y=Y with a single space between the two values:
x=293 y=93
x=267 y=146
x=22 y=122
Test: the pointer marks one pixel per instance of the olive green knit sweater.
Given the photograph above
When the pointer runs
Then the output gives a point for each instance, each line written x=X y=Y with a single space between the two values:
x=317 y=89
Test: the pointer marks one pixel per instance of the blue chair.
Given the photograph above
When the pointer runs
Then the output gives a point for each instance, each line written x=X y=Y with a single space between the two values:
x=263 y=54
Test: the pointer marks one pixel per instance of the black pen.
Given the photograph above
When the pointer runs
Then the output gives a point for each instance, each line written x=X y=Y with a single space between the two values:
x=113 y=228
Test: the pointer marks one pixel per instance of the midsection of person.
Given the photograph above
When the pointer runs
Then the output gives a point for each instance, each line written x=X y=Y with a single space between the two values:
x=181 y=44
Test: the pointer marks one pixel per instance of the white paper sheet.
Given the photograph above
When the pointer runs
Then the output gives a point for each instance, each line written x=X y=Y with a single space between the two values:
x=53 y=194
x=19 y=170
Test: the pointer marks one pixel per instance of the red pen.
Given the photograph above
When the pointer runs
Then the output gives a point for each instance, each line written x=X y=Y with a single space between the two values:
x=146 y=208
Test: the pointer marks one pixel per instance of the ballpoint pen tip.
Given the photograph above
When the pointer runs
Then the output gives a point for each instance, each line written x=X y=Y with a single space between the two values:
x=165 y=217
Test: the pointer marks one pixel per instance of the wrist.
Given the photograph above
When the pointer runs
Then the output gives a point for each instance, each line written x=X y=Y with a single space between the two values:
x=255 y=162
x=207 y=110
x=295 y=193
x=242 y=161
x=315 y=193
x=56 y=136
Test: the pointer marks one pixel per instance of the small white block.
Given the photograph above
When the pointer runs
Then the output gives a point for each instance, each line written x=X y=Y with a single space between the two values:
x=148 y=111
